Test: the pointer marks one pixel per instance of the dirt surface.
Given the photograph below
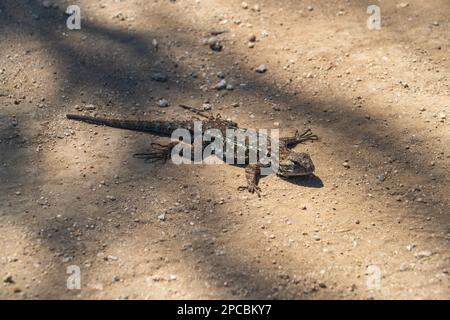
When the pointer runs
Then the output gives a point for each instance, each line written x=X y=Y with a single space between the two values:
x=72 y=194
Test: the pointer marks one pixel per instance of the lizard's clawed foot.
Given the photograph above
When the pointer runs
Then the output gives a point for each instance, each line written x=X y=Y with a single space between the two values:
x=305 y=136
x=252 y=188
x=161 y=153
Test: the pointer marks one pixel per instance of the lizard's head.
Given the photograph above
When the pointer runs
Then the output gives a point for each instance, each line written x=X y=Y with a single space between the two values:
x=296 y=164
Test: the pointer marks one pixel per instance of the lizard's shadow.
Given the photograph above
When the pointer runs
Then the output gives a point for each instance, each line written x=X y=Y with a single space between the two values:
x=311 y=181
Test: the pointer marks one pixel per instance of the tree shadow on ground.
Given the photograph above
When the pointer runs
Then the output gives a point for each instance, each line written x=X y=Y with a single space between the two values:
x=120 y=82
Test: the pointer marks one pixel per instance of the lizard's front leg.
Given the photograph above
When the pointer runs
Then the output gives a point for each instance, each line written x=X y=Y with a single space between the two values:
x=298 y=138
x=160 y=152
x=252 y=173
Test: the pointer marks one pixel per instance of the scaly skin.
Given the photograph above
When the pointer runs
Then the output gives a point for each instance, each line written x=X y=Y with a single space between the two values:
x=291 y=163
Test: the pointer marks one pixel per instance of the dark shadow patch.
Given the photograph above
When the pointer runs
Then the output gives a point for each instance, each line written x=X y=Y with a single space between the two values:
x=311 y=181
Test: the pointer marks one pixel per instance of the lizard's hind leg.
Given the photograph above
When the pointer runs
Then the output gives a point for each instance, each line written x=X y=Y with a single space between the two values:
x=160 y=152
x=252 y=174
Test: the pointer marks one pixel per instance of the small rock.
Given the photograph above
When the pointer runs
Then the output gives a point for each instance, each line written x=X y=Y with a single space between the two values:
x=261 y=69
x=256 y=8
x=423 y=254
x=90 y=107
x=346 y=165
x=244 y=5
x=252 y=38
x=159 y=77
x=172 y=277
x=8 y=279
x=162 y=217
x=402 y=5
x=404 y=266
x=404 y=84
x=46 y=4
x=214 y=44
x=381 y=177
x=221 y=85
x=310 y=8
x=163 y=103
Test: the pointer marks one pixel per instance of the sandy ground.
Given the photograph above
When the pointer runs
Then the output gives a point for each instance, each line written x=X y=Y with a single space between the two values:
x=72 y=194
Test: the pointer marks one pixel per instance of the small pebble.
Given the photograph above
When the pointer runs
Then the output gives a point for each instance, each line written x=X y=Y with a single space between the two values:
x=404 y=266
x=423 y=254
x=221 y=85
x=8 y=279
x=159 y=77
x=163 y=103
x=402 y=5
x=214 y=44
x=261 y=69
x=46 y=4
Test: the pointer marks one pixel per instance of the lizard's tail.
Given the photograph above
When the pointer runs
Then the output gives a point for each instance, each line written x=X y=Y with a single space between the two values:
x=136 y=125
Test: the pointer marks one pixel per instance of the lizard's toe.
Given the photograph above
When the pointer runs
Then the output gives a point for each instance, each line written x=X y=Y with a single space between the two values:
x=251 y=189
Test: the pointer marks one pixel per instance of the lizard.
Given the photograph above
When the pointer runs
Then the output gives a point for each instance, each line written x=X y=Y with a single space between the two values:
x=291 y=163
